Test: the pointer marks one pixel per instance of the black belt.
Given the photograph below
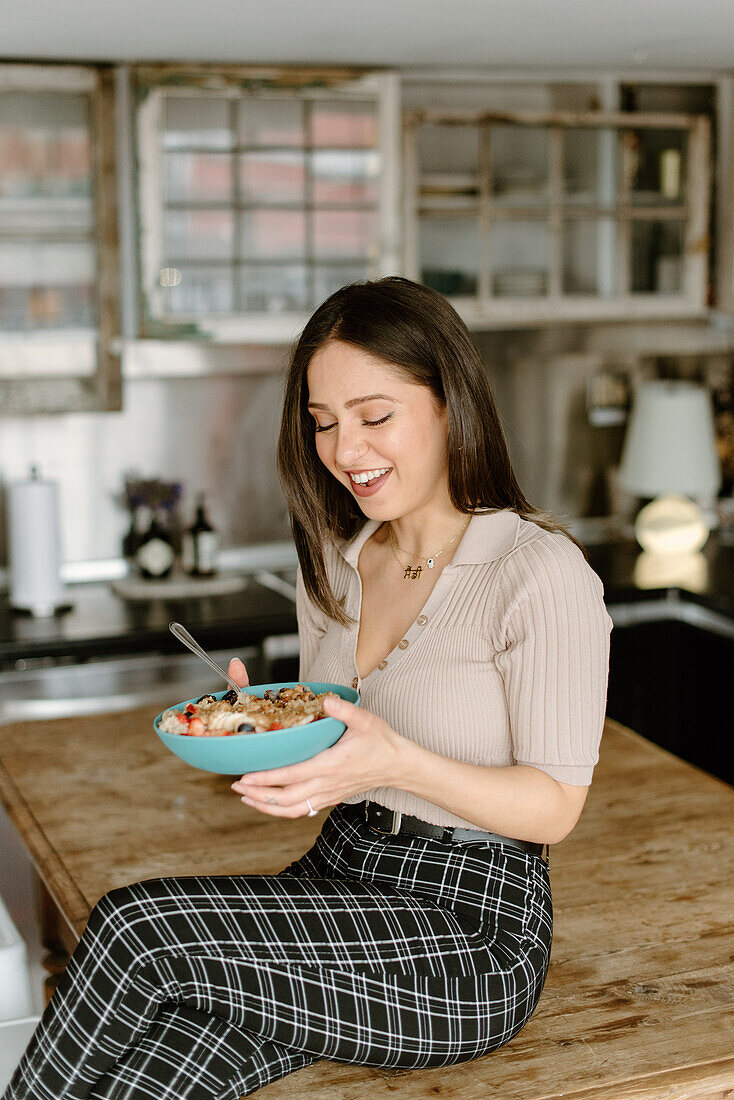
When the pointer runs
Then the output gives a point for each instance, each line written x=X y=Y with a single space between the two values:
x=392 y=822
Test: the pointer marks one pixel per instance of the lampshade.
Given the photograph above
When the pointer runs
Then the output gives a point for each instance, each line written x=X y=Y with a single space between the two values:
x=670 y=445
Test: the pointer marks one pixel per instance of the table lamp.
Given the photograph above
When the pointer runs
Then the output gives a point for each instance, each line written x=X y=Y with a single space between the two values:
x=670 y=453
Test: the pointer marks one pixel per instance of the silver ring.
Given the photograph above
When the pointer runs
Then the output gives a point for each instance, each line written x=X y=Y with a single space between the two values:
x=311 y=811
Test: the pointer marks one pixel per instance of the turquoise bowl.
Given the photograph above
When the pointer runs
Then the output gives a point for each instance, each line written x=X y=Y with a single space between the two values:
x=237 y=753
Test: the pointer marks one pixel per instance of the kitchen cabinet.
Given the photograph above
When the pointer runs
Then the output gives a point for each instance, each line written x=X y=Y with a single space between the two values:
x=260 y=193
x=672 y=650
x=58 y=240
x=671 y=682
x=536 y=216
x=174 y=207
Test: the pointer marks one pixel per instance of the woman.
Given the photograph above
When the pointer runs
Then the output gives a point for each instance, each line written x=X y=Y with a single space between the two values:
x=417 y=930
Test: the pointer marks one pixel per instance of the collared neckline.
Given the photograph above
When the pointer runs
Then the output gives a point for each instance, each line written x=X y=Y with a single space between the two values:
x=489 y=535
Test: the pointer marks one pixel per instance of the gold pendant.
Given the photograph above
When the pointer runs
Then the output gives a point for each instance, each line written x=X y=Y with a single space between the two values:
x=412 y=573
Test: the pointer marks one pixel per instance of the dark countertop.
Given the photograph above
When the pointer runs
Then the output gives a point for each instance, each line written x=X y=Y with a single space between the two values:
x=101 y=624
x=712 y=588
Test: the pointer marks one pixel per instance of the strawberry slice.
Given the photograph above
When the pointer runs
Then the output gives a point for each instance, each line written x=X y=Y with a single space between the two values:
x=196 y=727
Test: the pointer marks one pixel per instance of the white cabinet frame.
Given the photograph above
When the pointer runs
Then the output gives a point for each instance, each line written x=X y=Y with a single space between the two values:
x=72 y=370
x=484 y=310
x=251 y=327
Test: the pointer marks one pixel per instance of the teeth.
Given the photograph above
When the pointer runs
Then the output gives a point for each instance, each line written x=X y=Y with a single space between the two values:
x=370 y=475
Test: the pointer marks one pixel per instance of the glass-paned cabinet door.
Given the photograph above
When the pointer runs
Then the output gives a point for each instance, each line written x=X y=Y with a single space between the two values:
x=57 y=240
x=259 y=198
x=553 y=215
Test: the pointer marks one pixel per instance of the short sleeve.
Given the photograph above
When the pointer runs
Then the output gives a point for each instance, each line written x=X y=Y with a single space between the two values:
x=554 y=657
x=311 y=627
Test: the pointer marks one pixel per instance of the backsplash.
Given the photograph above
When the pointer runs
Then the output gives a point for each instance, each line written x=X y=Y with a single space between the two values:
x=217 y=434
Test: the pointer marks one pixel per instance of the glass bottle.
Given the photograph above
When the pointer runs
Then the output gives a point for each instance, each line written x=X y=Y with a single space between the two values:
x=155 y=554
x=200 y=544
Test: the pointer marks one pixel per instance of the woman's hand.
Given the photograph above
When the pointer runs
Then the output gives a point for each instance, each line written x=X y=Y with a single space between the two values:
x=238 y=672
x=366 y=755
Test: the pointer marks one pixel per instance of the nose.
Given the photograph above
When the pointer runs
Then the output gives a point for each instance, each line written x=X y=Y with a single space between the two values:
x=351 y=446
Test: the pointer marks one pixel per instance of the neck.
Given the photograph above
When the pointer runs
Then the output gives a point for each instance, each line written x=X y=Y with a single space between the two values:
x=424 y=537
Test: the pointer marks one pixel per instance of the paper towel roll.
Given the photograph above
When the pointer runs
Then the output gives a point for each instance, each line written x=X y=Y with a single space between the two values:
x=35 y=547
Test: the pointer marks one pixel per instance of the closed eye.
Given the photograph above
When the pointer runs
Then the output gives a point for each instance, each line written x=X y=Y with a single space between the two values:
x=366 y=423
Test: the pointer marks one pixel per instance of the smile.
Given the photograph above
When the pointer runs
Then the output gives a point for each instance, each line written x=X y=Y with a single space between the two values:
x=368 y=475
x=370 y=481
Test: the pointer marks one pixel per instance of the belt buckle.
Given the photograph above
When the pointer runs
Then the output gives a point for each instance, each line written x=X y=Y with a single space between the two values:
x=394 y=817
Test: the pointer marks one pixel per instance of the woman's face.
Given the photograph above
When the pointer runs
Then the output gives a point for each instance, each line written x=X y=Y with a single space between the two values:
x=369 y=419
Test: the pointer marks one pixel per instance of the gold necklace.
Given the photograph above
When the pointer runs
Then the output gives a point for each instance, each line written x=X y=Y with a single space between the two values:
x=413 y=572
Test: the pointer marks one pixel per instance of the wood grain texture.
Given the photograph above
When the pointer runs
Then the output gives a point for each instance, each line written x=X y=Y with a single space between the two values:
x=639 y=1001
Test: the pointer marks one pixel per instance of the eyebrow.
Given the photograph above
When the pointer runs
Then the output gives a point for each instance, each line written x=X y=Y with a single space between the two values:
x=357 y=401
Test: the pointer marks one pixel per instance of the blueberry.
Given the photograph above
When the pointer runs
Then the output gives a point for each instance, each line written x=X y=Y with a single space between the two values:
x=230 y=696
x=206 y=699
x=270 y=694
x=246 y=727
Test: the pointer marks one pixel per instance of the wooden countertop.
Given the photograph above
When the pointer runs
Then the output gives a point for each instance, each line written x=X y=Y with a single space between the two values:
x=639 y=1001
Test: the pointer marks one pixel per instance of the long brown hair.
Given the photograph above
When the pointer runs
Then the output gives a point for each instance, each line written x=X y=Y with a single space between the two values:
x=417 y=331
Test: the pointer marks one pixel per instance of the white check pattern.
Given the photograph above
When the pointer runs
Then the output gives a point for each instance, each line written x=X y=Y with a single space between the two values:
x=398 y=952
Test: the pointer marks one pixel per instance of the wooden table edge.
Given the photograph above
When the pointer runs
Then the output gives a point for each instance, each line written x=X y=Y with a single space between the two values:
x=71 y=904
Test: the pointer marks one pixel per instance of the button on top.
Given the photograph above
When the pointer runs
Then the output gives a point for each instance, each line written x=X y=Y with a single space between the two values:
x=382 y=664
x=355 y=682
x=404 y=644
x=422 y=620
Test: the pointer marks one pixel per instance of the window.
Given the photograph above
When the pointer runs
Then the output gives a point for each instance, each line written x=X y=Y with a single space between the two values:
x=553 y=214
x=258 y=198
x=56 y=212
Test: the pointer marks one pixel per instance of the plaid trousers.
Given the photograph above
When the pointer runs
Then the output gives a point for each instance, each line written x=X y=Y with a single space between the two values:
x=393 y=951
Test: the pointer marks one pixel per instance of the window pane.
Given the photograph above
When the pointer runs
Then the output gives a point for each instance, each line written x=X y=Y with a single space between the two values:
x=449 y=254
x=344 y=176
x=273 y=178
x=590 y=166
x=298 y=219
x=273 y=234
x=348 y=233
x=589 y=257
x=343 y=123
x=60 y=217
x=201 y=290
x=520 y=165
x=658 y=166
x=199 y=121
x=329 y=278
x=657 y=257
x=271 y=121
x=199 y=234
x=197 y=177
x=448 y=148
x=44 y=145
x=274 y=288
x=519 y=253
x=47 y=285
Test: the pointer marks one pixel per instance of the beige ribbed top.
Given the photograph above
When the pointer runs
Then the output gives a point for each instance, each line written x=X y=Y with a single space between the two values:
x=507 y=662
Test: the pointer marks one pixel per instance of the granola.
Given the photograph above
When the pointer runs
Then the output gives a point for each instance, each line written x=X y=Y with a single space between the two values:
x=210 y=717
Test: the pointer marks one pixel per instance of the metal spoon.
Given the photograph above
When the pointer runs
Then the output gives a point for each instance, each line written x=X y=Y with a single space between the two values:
x=183 y=635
